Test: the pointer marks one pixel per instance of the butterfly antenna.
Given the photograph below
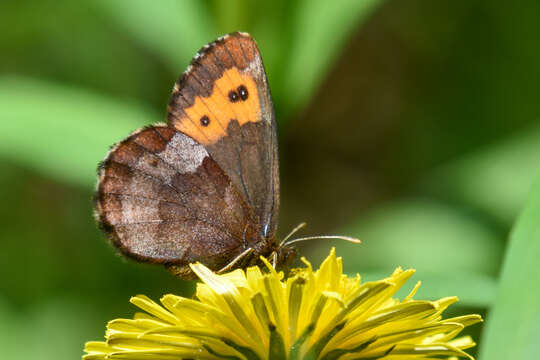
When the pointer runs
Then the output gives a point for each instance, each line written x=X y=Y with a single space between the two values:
x=298 y=227
x=339 y=237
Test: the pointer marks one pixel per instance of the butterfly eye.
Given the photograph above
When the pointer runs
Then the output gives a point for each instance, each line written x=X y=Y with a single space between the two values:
x=243 y=92
x=233 y=96
x=205 y=120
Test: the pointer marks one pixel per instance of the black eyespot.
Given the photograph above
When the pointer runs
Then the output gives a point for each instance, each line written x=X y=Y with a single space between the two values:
x=205 y=120
x=233 y=96
x=242 y=90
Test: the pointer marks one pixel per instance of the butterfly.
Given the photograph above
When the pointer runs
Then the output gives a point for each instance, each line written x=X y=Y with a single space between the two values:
x=205 y=186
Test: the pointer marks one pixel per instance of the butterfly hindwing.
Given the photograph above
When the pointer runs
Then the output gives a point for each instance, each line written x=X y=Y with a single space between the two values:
x=223 y=101
x=163 y=199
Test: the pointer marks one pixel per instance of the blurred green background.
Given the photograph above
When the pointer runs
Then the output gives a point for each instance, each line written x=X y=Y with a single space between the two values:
x=413 y=125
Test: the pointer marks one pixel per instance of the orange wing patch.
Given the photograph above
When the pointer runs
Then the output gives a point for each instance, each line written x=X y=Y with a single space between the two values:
x=234 y=96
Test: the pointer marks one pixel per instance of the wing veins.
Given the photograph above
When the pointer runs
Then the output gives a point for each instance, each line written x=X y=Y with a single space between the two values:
x=184 y=200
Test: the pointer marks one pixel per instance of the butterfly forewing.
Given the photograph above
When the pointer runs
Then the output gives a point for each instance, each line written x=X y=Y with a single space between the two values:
x=223 y=101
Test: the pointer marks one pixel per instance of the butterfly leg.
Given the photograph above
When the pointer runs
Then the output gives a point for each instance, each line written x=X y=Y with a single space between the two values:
x=274 y=259
x=230 y=265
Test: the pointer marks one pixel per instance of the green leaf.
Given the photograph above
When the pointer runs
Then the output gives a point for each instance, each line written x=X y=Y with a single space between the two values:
x=513 y=326
x=60 y=131
x=175 y=30
x=453 y=252
x=475 y=290
x=495 y=180
x=233 y=15
x=319 y=33
x=57 y=320
x=426 y=235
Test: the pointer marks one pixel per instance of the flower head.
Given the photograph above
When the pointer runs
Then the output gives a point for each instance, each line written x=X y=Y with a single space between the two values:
x=256 y=314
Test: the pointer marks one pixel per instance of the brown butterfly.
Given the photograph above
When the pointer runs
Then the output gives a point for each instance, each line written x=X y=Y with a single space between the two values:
x=205 y=186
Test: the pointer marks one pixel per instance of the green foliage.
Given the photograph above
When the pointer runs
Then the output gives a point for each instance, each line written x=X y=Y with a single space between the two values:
x=513 y=327
x=442 y=244
x=438 y=150
x=319 y=31
x=62 y=131
x=173 y=30
x=495 y=180
x=64 y=321
x=423 y=235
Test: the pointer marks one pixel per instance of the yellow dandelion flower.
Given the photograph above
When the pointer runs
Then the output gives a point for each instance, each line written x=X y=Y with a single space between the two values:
x=257 y=314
